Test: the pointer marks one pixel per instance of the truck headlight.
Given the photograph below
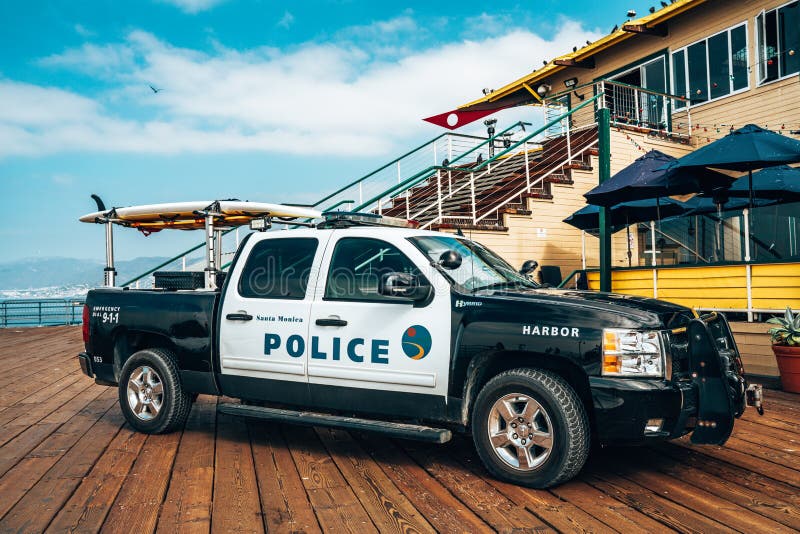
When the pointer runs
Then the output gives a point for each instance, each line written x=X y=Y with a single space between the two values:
x=632 y=353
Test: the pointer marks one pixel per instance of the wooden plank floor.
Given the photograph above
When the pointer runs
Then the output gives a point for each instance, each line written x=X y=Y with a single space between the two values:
x=68 y=462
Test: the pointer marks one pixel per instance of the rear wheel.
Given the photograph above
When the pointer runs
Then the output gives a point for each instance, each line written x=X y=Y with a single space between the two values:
x=150 y=392
x=530 y=428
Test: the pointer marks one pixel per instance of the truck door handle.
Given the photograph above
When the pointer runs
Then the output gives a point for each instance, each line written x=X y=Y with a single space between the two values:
x=331 y=321
x=239 y=317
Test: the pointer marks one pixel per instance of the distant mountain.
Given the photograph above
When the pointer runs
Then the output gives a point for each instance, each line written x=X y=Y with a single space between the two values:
x=53 y=272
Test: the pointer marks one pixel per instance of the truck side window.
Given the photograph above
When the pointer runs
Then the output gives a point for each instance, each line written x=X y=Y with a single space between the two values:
x=278 y=269
x=357 y=266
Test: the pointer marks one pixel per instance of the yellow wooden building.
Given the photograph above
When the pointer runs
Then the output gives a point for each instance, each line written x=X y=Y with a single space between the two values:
x=675 y=79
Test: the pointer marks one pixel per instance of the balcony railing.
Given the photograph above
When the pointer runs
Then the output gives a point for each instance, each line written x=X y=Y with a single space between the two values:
x=40 y=312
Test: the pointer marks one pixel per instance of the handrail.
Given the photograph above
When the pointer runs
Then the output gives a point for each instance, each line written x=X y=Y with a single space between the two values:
x=428 y=172
x=569 y=277
x=40 y=312
x=393 y=162
x=490 y=140
x=614 y=82
x=340 y=203
x=538 y=131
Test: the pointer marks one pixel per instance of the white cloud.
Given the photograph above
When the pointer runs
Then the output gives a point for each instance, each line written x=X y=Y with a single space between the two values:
x=286 y=20
x=337 y=97
x=83 y=31
x=106 y=60
x=193 y=6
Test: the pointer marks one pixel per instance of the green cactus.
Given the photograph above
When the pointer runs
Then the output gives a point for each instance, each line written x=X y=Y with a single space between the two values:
x=788 y=330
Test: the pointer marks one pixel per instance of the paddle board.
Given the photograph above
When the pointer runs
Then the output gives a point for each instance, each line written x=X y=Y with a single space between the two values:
x=183 y=216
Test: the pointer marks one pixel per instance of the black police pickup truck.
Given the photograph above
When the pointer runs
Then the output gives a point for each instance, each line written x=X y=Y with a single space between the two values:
x=416 y=334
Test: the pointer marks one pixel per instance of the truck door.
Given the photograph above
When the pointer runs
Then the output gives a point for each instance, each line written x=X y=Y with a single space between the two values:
x=264 y=316
x=370 y=352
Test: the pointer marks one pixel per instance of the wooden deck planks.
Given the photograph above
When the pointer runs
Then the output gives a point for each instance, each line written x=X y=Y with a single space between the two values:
x=187 y=506
x=69 y=463
x=236 y=503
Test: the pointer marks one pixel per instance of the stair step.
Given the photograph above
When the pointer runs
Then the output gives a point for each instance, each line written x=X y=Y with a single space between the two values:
x=577 y=166
x=497 y=227
x=513 y=210
x=398 y=430
x=540 y=196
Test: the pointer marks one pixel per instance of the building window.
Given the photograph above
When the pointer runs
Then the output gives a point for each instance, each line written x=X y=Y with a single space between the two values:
x=712 y=68
x=778 y=32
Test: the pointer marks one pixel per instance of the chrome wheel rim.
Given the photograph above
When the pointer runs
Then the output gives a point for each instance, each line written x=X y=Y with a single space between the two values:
x=520 y=432
x=145 y=393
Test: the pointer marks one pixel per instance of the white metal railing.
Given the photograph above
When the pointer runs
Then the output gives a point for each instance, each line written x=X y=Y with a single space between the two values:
x=558 y=165
x=642 y=107
x=433 y=207
x=444 y=194
x=375 y=190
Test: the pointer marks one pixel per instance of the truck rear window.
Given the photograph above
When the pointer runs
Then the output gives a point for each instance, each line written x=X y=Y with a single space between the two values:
x=278 y=269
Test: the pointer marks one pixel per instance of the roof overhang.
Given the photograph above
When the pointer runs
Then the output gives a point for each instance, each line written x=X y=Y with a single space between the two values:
x=523 y=90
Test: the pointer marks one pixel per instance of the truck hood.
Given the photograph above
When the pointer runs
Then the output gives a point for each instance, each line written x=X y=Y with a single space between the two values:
x=644 y=311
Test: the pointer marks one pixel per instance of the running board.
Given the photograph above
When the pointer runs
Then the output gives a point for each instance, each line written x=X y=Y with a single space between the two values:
x=397 y=430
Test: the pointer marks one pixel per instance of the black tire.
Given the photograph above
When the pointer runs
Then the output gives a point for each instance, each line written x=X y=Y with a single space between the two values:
x=563 y=419
x=150 y=393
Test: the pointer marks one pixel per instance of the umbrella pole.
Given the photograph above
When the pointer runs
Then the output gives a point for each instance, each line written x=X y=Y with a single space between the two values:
x=628 y=231
x=653 y=243
x=583 y=249
x=747 y=214
x=718 y=233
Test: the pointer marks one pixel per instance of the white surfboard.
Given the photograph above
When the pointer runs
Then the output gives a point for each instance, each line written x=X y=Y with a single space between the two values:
x=183 y=215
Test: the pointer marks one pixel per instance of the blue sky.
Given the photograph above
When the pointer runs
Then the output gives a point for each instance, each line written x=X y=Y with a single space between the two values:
x=262 y=100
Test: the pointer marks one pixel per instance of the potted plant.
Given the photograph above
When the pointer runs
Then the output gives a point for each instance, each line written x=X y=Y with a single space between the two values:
x=786 y=346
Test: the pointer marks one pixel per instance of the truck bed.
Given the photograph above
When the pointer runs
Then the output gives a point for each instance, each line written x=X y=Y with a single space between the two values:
x=122 y=321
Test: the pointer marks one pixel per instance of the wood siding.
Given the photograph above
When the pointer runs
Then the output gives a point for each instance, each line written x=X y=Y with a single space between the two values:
x=773 y=104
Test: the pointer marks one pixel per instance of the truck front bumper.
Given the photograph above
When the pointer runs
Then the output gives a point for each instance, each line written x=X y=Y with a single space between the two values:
x=630 y=411
x=706 y=399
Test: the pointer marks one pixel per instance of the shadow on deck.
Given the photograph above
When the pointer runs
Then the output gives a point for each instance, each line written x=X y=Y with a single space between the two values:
x=68 y=462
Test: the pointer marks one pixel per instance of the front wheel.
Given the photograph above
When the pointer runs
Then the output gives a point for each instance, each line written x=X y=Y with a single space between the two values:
x=150 y=392
x=530 y=428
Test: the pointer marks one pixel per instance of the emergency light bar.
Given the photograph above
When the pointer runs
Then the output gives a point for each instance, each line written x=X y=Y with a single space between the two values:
x=343 y=219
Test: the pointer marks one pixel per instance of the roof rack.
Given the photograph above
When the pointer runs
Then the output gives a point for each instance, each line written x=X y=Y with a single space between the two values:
x=349 y=219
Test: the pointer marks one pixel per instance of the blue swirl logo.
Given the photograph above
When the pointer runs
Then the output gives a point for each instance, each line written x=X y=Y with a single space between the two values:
x=417 y=342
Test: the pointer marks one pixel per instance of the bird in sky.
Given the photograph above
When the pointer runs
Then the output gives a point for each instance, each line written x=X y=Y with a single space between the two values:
x=154 y=89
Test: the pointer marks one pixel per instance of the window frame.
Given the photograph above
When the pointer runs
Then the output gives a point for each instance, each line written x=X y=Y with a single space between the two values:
x=761 y=56
x=685 y=50
x=384 y=299
x=281 y=297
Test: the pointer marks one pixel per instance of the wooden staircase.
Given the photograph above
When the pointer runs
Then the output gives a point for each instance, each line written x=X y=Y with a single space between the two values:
x=499 y=189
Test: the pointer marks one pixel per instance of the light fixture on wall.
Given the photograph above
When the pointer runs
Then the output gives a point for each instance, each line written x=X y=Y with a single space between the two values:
x=580 y=97
x=570 y=83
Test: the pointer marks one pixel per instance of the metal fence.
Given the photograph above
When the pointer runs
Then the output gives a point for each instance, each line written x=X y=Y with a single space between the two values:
x=40 y=312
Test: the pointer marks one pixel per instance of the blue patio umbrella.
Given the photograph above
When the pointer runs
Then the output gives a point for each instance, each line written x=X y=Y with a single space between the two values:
x=780 y=183
x=653 y=176
x=746 y=149
x=627 y=213
x=624 y=214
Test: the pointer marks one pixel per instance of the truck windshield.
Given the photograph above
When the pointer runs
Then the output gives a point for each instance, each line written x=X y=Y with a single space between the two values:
x=480 y=268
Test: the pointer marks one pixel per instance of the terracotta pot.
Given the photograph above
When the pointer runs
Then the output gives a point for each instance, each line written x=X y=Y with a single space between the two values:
x=789 y=365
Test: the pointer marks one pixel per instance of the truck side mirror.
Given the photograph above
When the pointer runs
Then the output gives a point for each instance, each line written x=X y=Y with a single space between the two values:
x=528 y=267
x=404 y=285
x=450 y=259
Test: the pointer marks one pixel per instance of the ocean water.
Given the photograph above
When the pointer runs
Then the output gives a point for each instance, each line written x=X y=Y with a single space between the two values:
x=52 y=292
x=36 y=307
